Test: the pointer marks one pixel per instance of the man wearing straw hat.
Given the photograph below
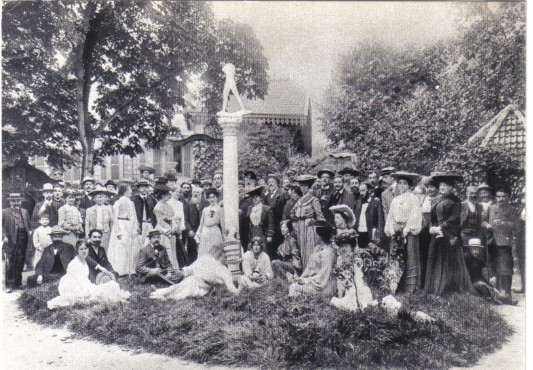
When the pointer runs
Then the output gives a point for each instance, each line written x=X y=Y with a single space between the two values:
x=86 y=201
x=15 y=237
x=46 y=206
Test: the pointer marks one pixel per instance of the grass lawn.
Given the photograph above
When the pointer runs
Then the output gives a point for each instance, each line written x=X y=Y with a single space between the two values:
x=264 y=328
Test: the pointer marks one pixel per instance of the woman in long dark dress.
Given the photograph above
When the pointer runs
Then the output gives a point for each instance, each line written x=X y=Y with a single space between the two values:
x=446 y=269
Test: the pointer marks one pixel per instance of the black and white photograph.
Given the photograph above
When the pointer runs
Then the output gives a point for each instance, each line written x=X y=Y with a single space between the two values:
x=263 y=184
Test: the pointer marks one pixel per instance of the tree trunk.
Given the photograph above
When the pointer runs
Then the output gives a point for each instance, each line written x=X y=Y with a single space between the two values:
x=82 y=93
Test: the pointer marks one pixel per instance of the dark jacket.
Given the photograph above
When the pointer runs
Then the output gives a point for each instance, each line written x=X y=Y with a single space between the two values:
x=51 y=210
x=446 y=213
x=288 y=208
x=192 y=215
x=374 y=215
x=503 y=234
x=342 y=197
x=10 y=218
x=97 y=258
x=86 y=202
x=139 y=204
x=150 y=257
x=276 y=202
x=66 y=254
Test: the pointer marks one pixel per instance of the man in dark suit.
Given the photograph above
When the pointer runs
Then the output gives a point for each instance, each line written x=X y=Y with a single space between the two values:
x=341 y=195
x=153 y=264
x=192 y=221
x=275 y=198
x=144 y=208
x=15 y=237
x=111 y=186
x=324 y=192
x=261 y=219
x=54 y=259
x=86 y=201
x=97 y=258
x=374 y=221
x=45 y=206
x=501 y=220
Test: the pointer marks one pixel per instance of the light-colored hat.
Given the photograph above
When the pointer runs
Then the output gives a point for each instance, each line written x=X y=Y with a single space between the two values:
x=87 y=179
x=15 y=196
x=47 y=187
x=57 y=230
x=346 y=211
x=99 y=189
x=104 y=277
x=410 y=176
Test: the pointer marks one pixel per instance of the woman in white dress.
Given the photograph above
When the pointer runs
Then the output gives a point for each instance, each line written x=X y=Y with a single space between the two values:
x=124 y=243
x=209 y=235
x=69 y=219
x=164 y=215
x=75 y=286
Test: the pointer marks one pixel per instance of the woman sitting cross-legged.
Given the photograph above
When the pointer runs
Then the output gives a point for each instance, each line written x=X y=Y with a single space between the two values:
x=318 y=278
x=75 y=286
x=255 y=265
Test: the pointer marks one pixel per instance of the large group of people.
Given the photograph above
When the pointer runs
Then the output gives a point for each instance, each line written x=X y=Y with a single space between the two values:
x=305 y=229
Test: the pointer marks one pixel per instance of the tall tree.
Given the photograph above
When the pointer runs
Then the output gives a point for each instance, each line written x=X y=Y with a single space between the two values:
x=117 y=70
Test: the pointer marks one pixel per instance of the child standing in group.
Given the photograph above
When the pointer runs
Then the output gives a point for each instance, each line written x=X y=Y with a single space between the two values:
x=41 y=237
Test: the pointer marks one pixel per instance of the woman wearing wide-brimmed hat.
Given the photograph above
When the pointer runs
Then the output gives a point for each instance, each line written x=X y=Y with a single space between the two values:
x=404 y=222
x=318 y=278
x=446 y=269
x=70 y=218
x=209 y=235
x=100 y=216
x=306 y=209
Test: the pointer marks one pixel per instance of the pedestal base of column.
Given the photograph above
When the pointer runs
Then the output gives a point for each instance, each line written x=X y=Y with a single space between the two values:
x=232 y=252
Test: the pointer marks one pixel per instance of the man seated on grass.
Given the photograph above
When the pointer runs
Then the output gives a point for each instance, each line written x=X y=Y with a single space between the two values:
x=54 y=259
x=153 y=264
x=97 y=258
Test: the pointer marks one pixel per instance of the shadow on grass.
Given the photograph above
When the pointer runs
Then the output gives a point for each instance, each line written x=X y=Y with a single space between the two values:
x=264 y=328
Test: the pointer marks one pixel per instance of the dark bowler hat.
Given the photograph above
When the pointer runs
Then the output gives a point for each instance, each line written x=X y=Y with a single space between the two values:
x=154 y=232
x=325 y=171
x=161 y=180
x=250 y=175
x=449 y=178
x=196 y=182
x=110 y=182
x=258 y=190
x=146 y=168
x=349 y=171
x=386 y=171
x=171 y=177
x=210 y=191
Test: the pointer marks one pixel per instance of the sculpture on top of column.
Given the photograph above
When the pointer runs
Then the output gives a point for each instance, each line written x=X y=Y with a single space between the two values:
x=230 y=86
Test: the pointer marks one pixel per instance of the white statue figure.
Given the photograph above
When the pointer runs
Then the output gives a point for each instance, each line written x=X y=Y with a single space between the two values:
x=231 y=86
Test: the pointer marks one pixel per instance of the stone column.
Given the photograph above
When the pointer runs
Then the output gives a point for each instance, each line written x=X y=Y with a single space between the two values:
x=230 y=126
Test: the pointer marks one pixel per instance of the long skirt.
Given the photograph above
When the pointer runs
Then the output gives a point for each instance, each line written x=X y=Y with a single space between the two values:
x=307 y=240
x=123 y=252
x=181 y=254
x=166 y=241
x=106 y=236
x=211 y=242
x=412 y=278
x=446 y=269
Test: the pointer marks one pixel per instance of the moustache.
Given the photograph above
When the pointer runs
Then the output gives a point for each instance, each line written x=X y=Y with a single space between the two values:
x=96 y=242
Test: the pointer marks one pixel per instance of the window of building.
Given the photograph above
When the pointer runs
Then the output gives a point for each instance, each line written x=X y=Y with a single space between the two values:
x=115 y=167
x=158 y=162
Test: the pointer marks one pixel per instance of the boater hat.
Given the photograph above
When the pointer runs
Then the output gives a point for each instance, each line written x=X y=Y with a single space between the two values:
x=386 y=171
x=87 y=179
x=154 y=232
x=484 y=186
x=258 y=190
x=142 y=182
x=104 y=277
x=146 y=168
x=346 y=212
x=15 y=196
x=325 y=171
x=47 y=187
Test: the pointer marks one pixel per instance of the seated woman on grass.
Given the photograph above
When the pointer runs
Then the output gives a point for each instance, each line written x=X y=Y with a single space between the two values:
x=318 y=278
x=75 y=286
x=255 y=265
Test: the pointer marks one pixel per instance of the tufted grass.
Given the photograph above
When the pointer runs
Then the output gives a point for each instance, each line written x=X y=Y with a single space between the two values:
x=264 y=328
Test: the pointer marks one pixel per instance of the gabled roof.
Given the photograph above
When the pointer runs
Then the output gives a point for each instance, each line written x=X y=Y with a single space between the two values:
x=507 y=128
x=284 y=97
